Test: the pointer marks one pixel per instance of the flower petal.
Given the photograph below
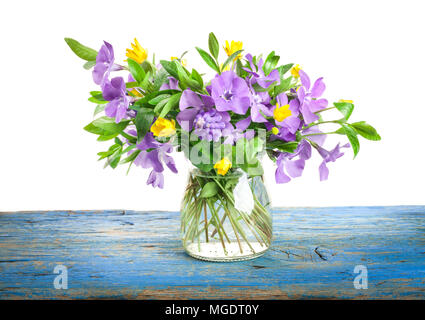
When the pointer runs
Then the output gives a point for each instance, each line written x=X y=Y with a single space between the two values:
x=318 y=88
x=305 y=80
x=190 y=99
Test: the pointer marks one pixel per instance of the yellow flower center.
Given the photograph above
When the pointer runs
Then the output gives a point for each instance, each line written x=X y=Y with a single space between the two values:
x=346 y=101
x=281 y=113
x=223 y=166
x=295 y=71
x=275 y=130
x=232 y=48
x=138 y=53
x=163 y=127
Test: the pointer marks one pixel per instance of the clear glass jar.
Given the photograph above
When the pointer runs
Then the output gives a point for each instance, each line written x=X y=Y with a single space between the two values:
x=225 y=218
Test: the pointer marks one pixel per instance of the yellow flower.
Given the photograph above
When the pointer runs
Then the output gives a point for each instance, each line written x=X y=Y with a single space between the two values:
x=182 y=61
x=163 y=127
x=346 y=101
x=232 y=48
x=281 y=113
x=275 y=130
x=223 y=166
x=136 y=93
x=138 y=54
x=295 y=71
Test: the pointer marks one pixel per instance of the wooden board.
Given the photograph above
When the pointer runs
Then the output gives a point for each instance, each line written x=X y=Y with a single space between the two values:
x=138 y=255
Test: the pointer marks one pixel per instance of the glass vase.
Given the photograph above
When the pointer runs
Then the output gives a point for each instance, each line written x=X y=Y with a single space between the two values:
x=225 y=218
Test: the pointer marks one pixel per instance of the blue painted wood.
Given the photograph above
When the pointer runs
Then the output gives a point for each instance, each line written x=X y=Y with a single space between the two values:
x=138 y=255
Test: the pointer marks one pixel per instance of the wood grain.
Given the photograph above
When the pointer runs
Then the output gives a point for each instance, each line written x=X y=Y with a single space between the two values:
x=138 y=255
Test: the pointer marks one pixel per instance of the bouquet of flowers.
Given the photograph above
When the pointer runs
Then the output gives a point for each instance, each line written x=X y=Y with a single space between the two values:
x=252 y=106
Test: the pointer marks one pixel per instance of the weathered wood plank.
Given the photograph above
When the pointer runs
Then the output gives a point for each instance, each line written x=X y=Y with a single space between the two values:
x=138 y=255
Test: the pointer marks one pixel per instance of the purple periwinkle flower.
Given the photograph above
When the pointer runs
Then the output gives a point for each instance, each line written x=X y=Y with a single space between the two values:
x=190 y=105
x=259 y=107
x=211 y=125
x=230 y=93
x=152 y=156
x=104 y=64
x=329 y=156
x=292 y=122
x=309 y=100
x=114 y=91
x=294 y=167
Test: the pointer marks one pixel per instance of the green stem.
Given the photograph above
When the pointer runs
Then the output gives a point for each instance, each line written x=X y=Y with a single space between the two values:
x=318 y=134
x=206 y=221
x=326 y=109
x=217 y=222
x=321 y=122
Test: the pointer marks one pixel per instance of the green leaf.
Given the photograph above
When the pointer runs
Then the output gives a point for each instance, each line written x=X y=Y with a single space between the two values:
x=284 y=69
x=197 y=77
x=239 y=69
x=158 y=98
x=130 y=85
x=366 y=131
x=107 y=137
x=170 y=67
x=351 y=134
x=160 y=105
x=270 y=63
x=80 y=50
x=172 y=102
x=213 y=45
x=208 y=59
x=93 y=129
x=97 y=101
x=230 y=59
x=114 y=159
x=99 y=109
x=109 y=124
x=285 y=85
x=136 y=70
x=283 y=146
x=131 y=157
x=209 y=190
x=112 y=149
x=89 y=64
x=345 y=108
x=143 y=122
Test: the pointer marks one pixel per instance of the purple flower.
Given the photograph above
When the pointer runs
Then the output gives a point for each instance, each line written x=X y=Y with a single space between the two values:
x=329 y=156
x=309 y=102
x=154 y=159
x=212 y=125
x=104 y=64
x=317 y=138
x=173 y=84
x=294 y=167
x=230 y=93
x=114 y=91
x=292 y=122
x=259 y=75
x=259 y=107
x=190 y=105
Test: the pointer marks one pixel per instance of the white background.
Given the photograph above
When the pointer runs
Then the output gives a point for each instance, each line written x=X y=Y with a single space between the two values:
x=370 y=51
